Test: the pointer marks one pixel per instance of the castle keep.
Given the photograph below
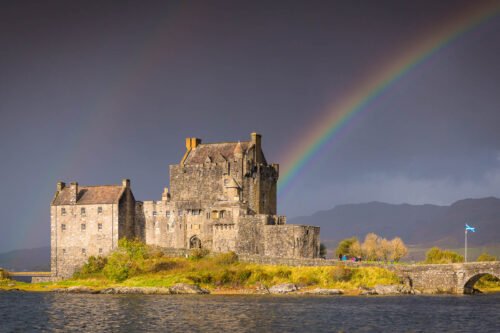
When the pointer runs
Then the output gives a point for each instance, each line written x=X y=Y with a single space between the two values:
x=222 y=198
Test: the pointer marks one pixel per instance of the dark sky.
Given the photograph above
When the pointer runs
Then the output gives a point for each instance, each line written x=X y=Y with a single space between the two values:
x=99 y=91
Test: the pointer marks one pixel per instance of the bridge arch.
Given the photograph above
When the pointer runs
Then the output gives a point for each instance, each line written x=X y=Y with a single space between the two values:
x=471 y=281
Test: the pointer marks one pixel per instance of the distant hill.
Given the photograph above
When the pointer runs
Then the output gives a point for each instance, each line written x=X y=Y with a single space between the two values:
x=423 y=225
x=26 y=260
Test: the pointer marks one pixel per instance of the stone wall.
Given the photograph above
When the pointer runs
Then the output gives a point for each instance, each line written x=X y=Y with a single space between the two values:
x=77 y=234
x=291 y=241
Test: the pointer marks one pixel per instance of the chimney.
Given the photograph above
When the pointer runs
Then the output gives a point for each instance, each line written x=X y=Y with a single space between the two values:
x=60 y=186
x=73 y=192
x=126 y=183
x=256 y=140
x=195 y=142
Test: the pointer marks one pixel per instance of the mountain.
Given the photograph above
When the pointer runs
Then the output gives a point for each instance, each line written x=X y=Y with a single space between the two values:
x=37 y=259
x=425 y=225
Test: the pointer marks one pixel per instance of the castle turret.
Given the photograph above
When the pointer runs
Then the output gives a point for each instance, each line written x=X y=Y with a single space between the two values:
x=256 y=141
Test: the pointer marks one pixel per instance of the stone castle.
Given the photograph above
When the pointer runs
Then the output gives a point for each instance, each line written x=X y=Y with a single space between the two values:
x=222 y=198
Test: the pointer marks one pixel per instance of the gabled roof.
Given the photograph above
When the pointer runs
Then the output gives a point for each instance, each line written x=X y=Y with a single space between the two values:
x=213 y=151
x=89 y=195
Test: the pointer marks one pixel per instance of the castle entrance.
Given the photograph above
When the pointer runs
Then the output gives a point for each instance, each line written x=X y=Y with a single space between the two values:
x=195 y=243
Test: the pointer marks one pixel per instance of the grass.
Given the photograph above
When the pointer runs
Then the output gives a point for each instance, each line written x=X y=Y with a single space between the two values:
x=221 y=273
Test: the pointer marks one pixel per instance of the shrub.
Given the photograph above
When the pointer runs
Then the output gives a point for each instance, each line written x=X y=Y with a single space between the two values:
x=118 y=267
x=93 y=265
x=341 y=274
x=438 y=256
x=283 y=273
x=226 y=258
x=322 y=250
x=197 y=254
x=486 y=257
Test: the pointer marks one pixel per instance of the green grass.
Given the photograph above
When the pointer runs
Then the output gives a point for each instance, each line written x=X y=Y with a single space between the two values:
x=221 y=273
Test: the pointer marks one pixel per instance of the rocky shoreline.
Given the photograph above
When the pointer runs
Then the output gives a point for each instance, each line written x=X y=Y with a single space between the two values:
x=280 y=289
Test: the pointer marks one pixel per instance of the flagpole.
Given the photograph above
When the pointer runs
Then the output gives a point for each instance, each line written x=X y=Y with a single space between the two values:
x=465 y=245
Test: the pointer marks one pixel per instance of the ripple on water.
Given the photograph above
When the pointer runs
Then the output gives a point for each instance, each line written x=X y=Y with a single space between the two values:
x=44 y=312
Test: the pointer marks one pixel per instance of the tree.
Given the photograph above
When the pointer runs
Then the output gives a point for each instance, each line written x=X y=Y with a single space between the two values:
x=370 y=246
x=344 y=246
x=322 y=250
x=384 y=249
x=355 y=249
x=486 y=257
x=438 y=256
x=398 y=249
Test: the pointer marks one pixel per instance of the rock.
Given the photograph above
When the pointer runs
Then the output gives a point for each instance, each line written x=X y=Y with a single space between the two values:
x=365 y=292
x=386 y=289
x=262 y=289
x=283 y=288
x=137 y=290
x=183 y=288
x=319 y=291
x=76 y=290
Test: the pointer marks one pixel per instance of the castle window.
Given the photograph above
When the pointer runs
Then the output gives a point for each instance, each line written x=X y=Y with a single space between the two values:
x=195 y=212
x=63 y=211
x=63 y=227
x=100 y=250
x=168 y=227
x=82 y=211
x=221 y=214
x=179 y=213
x=208 y=215
x=83 y=226
x=226 y=182
x=167 y=213
x=64 y=251
x=84 y=251
x=99 y=226
x=154 y=213
x=99 y=210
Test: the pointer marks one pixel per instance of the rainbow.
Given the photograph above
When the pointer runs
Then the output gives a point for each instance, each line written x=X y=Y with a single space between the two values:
x=340 y=114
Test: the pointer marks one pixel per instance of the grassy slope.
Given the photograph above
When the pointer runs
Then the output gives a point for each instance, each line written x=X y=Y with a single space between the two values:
x=224 y=277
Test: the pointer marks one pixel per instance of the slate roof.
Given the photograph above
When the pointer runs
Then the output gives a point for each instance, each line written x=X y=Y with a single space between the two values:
x=214 y=151
x=89 y=195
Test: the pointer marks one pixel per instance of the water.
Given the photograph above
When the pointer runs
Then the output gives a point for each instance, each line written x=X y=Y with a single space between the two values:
x=49 y=312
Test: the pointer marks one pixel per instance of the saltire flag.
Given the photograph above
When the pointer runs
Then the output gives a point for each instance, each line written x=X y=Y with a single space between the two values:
x=469 y=228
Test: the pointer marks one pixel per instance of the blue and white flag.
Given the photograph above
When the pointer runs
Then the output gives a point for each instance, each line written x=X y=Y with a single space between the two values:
x=469 y=228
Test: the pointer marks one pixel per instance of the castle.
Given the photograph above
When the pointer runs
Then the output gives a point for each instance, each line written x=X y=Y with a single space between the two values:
x=222 y=198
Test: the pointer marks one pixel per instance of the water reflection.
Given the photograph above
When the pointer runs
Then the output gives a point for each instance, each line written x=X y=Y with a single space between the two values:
x=24 y=312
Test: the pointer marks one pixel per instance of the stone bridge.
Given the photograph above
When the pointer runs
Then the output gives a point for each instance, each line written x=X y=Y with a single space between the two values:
x=446 y=278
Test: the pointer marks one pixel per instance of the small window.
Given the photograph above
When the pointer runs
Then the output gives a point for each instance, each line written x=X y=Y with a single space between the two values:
x=82 y=211
x=63 y=227
x=168 y=226
x=99 y=210
x=64 y=251
x=179 y=213
x=63 y=211
x=100 y=250
x=99 y=226
x=154 y=213
x=84 y=251
x=208 y=215
x=167 y=213
x=221 y=214
x=195 y=212
x=83 y=226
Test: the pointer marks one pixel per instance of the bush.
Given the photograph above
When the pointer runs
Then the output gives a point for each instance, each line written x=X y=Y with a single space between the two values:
x=93 y=265
x=226 y=258
x=197 y=254
x=438 y=256
x=322 y=250
x=118 y=267
x=486 y=257
x=341 y=274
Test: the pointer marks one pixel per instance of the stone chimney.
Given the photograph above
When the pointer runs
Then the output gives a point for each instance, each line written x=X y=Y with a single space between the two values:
x=126 y=183
x=256 y=140
x=165 y=196
x=73 y=192
x=60 y=186
x=191 y=143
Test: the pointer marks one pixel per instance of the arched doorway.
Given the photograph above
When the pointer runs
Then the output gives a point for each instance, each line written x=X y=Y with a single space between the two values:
x=479 y=281
x=194 y=243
